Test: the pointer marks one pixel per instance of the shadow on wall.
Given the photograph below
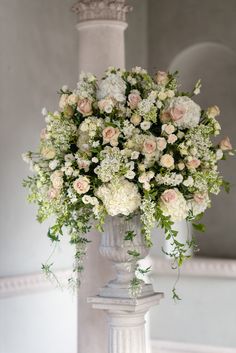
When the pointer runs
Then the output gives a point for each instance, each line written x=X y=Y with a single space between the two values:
x=215 y=64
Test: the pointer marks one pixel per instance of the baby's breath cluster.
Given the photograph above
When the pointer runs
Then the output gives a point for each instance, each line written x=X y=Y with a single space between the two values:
x=125 y=144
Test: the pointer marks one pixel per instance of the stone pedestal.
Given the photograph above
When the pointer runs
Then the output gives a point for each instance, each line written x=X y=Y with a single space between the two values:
x=126 y=321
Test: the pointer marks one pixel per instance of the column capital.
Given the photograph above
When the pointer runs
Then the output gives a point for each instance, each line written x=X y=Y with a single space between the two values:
x=101 y=10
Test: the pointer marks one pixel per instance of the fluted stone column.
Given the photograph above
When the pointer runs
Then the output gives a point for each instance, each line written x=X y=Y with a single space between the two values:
x=101 y=26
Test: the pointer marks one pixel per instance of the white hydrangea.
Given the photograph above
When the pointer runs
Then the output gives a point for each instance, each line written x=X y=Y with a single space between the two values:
x=173 y=204
x=191 y=112
x=121 y=197
x=112 y=86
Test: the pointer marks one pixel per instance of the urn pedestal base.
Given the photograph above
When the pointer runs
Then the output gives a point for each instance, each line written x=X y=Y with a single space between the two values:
x=126 y=320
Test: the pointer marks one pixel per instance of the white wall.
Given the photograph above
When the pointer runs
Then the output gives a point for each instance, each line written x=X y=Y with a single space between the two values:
x=198 y=38
x=38 y=55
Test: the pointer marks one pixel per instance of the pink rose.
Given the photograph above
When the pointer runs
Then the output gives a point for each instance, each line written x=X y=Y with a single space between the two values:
x=168 y=196
x=149 y=146
x=225 y=144
x=53 y=193
x=193 y=163
x=84 y=106
x=81 y=185
x=177 y=112
x=106 y=105
x=110 y=135
x=161 y=77
x=56 y=179
x=134 y=99
x=199 y=198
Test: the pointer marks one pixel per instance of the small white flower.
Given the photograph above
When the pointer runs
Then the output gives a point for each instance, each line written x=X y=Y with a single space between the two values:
x=219 y=154
x=44 y=111
x=95 y=160
x=64 y=88
x=188 y=182
x=159 y=104
x=134 y=155
x=95 y=144
x=53 y=164
x=130 y=174
x=145 y=125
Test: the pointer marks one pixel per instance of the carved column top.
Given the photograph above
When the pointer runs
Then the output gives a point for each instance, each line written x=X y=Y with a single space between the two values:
x=101 y=10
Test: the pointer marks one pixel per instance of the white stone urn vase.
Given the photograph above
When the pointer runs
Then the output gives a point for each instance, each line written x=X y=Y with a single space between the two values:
x=118 y=250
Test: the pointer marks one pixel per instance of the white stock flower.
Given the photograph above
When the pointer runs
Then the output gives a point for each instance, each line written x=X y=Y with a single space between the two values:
x=121 y=197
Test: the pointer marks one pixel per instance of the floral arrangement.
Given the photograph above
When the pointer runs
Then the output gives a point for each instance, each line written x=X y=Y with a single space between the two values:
x=125 y=144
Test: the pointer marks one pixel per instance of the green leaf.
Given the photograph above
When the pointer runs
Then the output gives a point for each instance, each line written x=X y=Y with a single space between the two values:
x=129 y=235
x=199 y=227
x=133 y=253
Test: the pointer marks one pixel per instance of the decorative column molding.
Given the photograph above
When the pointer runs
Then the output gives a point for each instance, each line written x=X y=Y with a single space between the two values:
x=101 y=10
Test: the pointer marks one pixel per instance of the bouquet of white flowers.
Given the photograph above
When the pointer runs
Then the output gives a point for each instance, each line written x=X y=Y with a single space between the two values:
x=126 y=144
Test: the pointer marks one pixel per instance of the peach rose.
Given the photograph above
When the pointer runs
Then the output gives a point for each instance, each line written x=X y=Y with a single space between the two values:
x=172 y=138
x=135 y=119
x=72 y=99
x=169 y=129
x=167 y=161
x=193 y=163
x=169 y=196
x=81 y=185
x=161 y=143
x=177 y=113
x=149 y=146
x=213 y=111
x=161 y=77
x=134 y=99
x=84 y=106
x=110 y=135
x=48 y=152
x=225 y=144
x=165 y=117
x=57 y=180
